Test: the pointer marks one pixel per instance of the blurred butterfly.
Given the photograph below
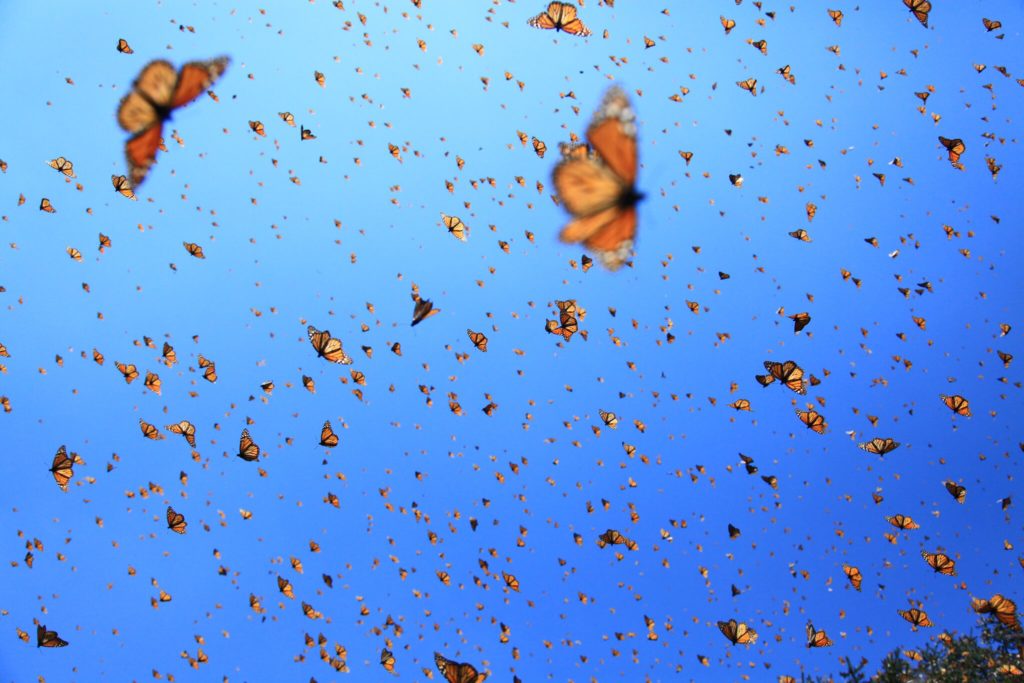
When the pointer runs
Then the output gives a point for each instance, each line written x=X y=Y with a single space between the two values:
x=727 y=24
x=800 y=321
x=957 y=491
x=209 y=369
x=940 y=563
x=854 y=576
x=176 y=521
x=149 y=431
x=958 y=404
x=122 y=186
x=750 y=85
x=560 y=16
x=1004 y=609
x=903 y=522
x=327 y=347
x=737 y=633
x=598 y=190
x=186 y=429
x=130 y=372
x=247 y=448
x=920 y=10
x=46 y=206
x=817 y=638
x=62 y=468
x=457 y=672
x=991 y=24
x=46 y=638
x=156 y=93
x=387 y=660
x=836 y=16
x=327 y=436
x=194 y=249
x=422 y=309
x=456 y=227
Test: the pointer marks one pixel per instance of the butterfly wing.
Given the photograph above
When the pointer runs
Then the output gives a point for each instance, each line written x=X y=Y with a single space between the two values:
x=196 y=77
x=140 y=151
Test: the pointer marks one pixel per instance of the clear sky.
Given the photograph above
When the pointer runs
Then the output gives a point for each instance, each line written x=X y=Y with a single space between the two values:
x=334 y=231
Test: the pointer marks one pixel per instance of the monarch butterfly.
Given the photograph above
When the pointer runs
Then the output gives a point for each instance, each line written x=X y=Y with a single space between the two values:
x=327 y=436
x=318 y=76
x=920 y=10
x=287 y=117
x=817 y=638
x=186 y=429
x=122 y=186
x=958 y=404
x=308 y=610
x=257 y=127
x=736 y=179
x=309 y=384
x=156 y=93
x=837 y=16
x=247 y=448
x=387 y=660
x=62 y=165
x=560 y=16
x=879 y=446
x=422 y=309
x=75 y=254
x=130 y=372
x=62 y=468
x=813 y=421
x=801 y=235
x=761 y=45
x=176 y=521
x=955 y=147
x=327 y=347
x=444 y=577
x=786 y=72
x=740 y=404
x=991 y=24
x=1004 y=609
x=457 y=672
x=152 y=382
x=479 y=340
x=853 y=575
x=916 y=617
x=598 y=190
x=940 y=563
x=194 y=249
x=687 y=156
x=539 y=147
x=791 y=374
x=46 y=638
x=727 y=24
x=750 y=85
x=957 y=491
x=456 y=227
x=149 y=431
x=737 y=633
x=285 y=587
x=800 y=321
x=903 y=522
x=307 y=134
x=511 y=581
x=169 y=355
x=123 y=47
x=46 y=206
x=610 y=419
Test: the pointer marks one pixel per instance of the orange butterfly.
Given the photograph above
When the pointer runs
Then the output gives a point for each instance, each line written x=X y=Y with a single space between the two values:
x=130 y=372
x=186 y=429
x=46 y=638
x=955 y=147
x=957 y=491
x=479 y=340
x=879 y=446
x=387 y=660
x=247 y=448
x=854 y=575
x=560 y=16
x=940 y=562
x=422 y=310
x=122 y=186
x=62 y=468
x=598 y=190
x=327 y=347
x=457 y=672
x=737 y=633
x=176 y=521
x=916 y=617
x=817 y=638
x=789 y=373
x=813 y=421
x=328 y=438
x=920 y=10
x=750 y=85
x=903 y=522
x=958 y=404
x=156 y=93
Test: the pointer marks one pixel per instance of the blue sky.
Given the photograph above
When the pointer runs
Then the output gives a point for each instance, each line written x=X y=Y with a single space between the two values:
x=281 y=255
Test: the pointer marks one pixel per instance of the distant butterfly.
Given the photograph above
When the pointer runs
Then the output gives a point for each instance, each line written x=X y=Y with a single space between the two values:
x=149 y=431
x=62 y=165
x=954 y=147
x=800 y=321
x=123 y=47
x=62 y=468
x=727 y=24
x=957 y=491
x=750 y=85
x=176 y=521
x=737 y=633
x=903 y=522
x=46 y=638
x=991 y=24
x=247 y=448
x=560 y=16
x=327 y=347
x=156 y=93
x=457 y=672
x=598 y=190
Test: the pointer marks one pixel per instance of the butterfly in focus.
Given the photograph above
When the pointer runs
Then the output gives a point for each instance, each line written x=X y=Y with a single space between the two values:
x=560 y=16
x=327 y=347
x=457 y=672
x=46 y=638
x=156 y=93
x=817 y=638
x=737 y=633
x=176 y=521
x=597 y=189
x=247 y=448
x=62 y=468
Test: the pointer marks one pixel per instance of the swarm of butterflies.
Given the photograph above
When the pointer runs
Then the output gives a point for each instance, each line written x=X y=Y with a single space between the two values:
x=595 y=182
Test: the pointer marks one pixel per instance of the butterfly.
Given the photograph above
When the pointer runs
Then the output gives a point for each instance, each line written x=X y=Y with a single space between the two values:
x=152 y=382
x=510 y=581
x=854 y=576
x=920 y=10
x=727 y=24
x=879 y=446
x=916 y=617
x=750 y=85
x=176 y=521
x=186 y=429
x=194 y=249
x=149 y=431
x=285 y=587
x=422 y=309
x=955 y=147
x=789 y=373
x=122 y=186
x=836 y=16
x=610 y=419
x=327 y=436
x=387 y=660
x=47 y=206
x=156 y=93
x=957 y=491
x=991 y=24
x=560 y=16
x=456 y=227
x=598 y=189
x=123 y=47
x=903 y=522
x=46 y=638
x=62 y=468
x=1003 y=608
x=457 y=672
x=209 y=369
x=62 y=165
x=940 y=562
x=737 y=633
x=479 y=340
x=813 y=420
x=800 y=321
x=327 y=347
x=817 y=638
x=247 y=448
